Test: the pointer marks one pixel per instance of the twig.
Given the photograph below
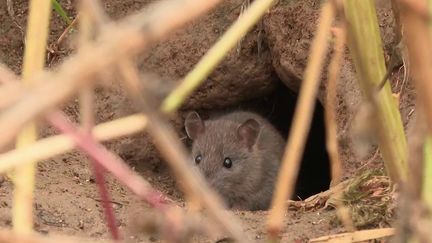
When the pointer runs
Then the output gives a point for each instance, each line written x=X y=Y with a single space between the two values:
x=192 y=183
x=331 y=99
x=326 y=198
x=54 y=48
x=330 y=118
x=121 y=39
x=357 y=236
x=34 y=60
x=301 y=122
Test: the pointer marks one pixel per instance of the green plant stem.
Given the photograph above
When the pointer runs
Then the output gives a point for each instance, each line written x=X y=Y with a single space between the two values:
x=427 y=160
x=366 y=50
x=59 y=9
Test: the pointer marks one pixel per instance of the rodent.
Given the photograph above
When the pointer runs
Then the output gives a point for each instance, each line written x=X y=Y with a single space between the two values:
x=239 y=153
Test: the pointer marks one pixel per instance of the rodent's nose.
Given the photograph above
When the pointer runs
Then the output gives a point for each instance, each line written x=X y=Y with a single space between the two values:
x=207 y=174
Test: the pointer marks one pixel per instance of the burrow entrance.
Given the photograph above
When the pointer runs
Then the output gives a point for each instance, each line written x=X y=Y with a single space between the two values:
x=278 y=108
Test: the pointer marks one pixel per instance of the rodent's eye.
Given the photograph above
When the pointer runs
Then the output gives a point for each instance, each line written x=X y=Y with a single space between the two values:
x=198 y=159
x=227 y=163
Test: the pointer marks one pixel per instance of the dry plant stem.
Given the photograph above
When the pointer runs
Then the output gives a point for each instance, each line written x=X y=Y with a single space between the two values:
x=331 y=101
x=87 y=123
x=192 y=183
x=421 y=228
x=109 y=161
x=427 y=153
x=216 y=54
x=55 y=145
x=66 y=31
x=419 y=8
x=125 y=38
x=10 y=91
x=397 y=29
x=8 y=77
x=427 y=173
x=301 y=122
x=357 y=236
x=429 y=9
x=34 y=60
x=111 y=221
x=417 y=40
x=365 y=46
x=331 y=127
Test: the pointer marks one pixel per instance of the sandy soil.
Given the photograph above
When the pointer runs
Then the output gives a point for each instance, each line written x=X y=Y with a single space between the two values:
x=67 y=200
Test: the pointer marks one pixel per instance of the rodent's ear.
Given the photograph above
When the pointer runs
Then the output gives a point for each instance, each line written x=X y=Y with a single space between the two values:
x=248 y=132
x=194 y=125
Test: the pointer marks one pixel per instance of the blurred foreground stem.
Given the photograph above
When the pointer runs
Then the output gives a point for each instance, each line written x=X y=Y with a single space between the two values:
x=87 y=109
x=34 y=59
x=301 y=122
x=427 y=173
x=427 y=161
x=365 y=46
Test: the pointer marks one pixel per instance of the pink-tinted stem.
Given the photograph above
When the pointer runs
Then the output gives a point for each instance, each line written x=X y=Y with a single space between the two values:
x=109 y=161
x=98 y=172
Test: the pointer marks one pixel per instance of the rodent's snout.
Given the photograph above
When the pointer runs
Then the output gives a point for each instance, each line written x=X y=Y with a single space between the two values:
x=216 y=184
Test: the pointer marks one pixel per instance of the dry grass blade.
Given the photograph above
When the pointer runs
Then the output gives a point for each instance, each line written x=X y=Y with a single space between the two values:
x=323 y=199
x=427 y=173
x=55 y=145
x=301 y=122
x=357 y=236
x=34 y=60
x=331 y=101
x=331 y=127
x=122 y=39
x=417 y=37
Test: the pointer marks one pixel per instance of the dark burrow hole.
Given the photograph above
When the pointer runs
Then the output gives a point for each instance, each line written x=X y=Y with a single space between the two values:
x=278 y=107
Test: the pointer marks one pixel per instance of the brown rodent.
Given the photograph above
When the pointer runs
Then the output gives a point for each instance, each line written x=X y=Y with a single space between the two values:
x=239 y=154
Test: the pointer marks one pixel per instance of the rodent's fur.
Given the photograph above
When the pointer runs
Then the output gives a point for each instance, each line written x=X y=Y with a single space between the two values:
x=255 y=148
